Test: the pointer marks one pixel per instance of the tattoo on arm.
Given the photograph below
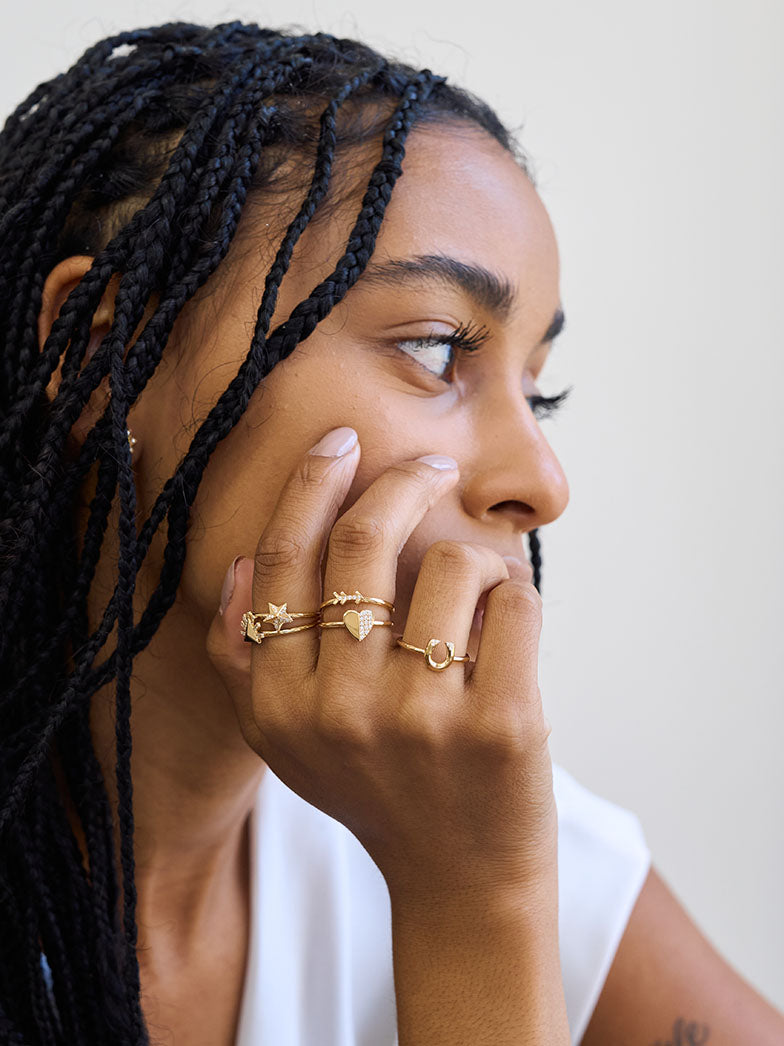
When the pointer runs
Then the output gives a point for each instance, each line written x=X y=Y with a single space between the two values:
x=683 y=1034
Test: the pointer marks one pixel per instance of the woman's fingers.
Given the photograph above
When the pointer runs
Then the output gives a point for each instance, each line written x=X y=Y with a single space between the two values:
x=287 y=575
x=371 y=737
x=230 y=656
x=364 y=547
x=453 y=576
x=505 y=679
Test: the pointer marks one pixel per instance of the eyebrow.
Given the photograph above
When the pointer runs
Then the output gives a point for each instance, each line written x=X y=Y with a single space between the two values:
x=486 y=289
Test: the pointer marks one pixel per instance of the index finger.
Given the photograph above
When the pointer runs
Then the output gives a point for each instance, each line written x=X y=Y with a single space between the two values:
x=287 y=570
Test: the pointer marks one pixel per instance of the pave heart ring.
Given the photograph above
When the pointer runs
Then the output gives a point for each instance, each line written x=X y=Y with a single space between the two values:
x=430 y=661
x=360 y=623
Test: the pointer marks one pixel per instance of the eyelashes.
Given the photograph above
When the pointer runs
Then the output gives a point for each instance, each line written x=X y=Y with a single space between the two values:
x=437 y=354
x=546 y=406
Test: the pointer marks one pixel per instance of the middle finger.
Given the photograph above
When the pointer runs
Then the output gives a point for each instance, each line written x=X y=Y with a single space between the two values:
x=363 y=551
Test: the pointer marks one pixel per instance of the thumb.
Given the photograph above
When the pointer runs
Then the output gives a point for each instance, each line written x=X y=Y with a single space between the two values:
x=226 y=648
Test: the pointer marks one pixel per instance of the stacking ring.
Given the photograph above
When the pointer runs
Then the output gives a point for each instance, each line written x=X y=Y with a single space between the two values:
x=359 y=623
x=342 y=598
x=437 y=666
x=251 y=630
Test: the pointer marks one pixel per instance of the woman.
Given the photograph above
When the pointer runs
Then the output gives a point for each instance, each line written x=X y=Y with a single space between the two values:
x=213 y=831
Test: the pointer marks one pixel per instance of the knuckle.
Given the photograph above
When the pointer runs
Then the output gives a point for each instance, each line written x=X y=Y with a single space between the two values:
x=279 y=550
x=313 y=470
x=416 y=474
x=340 y=725
x=511 y=734
x=356 y=537
x=420 y=730
x=517 y=597
x=453 y=558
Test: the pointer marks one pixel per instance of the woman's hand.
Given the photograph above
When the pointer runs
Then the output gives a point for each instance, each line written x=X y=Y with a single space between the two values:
x=444 y=777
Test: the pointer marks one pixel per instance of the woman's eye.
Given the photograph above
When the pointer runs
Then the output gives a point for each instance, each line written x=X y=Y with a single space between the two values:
x=435 y=353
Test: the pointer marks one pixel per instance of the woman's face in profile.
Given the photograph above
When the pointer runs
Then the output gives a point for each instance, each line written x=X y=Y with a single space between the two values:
x=433 y=351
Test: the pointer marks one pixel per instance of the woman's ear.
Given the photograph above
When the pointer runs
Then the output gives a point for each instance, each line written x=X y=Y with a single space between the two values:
x=63 y=278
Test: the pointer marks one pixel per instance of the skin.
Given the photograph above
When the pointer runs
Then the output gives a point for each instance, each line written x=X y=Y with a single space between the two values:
x=206 y=706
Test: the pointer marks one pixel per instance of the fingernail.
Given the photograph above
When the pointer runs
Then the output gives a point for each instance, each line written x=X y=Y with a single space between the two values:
x=336 y=443
x=439 y=461
x=514 y=566
x=228 y=585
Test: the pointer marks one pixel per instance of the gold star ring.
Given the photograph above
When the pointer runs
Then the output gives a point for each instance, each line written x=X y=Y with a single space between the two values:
x=277 y=616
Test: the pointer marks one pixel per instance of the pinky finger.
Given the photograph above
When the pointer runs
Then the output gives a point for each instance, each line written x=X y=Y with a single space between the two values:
x=507 y=662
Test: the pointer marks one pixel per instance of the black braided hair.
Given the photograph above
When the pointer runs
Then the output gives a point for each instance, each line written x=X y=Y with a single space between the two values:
x=141 y=156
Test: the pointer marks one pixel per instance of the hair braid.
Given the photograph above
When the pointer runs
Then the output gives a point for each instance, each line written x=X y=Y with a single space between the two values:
x=142 y=156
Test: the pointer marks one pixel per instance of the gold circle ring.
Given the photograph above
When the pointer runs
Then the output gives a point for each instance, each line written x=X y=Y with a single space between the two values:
x=430 y=661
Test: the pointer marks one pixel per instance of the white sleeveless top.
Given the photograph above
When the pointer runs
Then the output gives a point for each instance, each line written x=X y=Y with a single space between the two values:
x=319 y=970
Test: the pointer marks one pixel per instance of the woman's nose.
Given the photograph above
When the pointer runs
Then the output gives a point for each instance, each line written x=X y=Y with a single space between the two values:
x=514 y=478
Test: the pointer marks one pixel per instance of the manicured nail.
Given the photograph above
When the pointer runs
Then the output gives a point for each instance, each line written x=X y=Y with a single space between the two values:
x=336 y=443
x=228 y=585
x=439 y=461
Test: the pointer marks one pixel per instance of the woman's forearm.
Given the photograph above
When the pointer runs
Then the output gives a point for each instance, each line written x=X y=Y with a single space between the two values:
x=480 y=973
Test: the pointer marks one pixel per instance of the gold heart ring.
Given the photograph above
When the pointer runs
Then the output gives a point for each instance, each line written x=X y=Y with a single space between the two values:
x=430 y=661
x=359 y=623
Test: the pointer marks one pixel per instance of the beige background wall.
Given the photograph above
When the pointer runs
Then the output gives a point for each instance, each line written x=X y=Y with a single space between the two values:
x=657 y=133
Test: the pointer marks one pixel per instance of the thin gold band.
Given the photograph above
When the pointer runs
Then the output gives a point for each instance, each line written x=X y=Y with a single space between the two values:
x=278 y=616
x=342 y=624
x=430 y=661
x=251 y=631
x=341 y=598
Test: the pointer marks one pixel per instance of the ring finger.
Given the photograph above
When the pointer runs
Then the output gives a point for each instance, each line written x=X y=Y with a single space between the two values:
x=453 y=576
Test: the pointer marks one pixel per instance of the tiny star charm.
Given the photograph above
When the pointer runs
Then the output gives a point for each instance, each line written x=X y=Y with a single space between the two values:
x=277 y=616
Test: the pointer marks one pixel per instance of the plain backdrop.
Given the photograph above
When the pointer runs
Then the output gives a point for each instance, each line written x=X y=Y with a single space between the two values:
x=656 y=134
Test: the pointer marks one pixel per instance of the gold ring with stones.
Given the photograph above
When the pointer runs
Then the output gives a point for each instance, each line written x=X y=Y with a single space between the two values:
x=430 y=661
x=277 y=616
x=360 y=623
x=341 y=598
